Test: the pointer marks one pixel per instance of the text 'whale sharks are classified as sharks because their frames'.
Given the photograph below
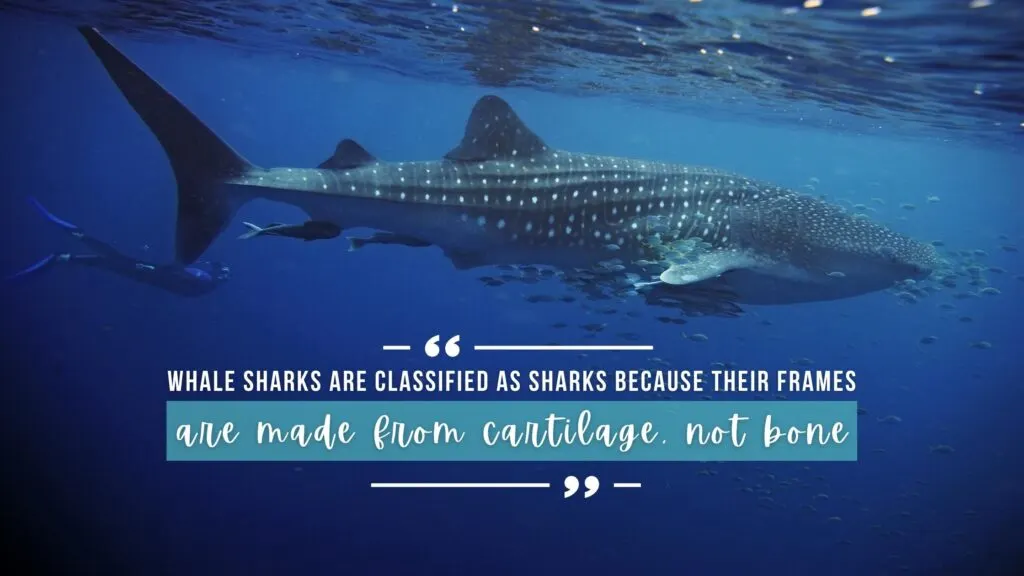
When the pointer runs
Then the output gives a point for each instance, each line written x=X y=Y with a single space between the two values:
x=504 y=197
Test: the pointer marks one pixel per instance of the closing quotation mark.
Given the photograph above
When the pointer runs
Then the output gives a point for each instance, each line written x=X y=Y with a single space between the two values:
x=572 y=486
x=451 y=347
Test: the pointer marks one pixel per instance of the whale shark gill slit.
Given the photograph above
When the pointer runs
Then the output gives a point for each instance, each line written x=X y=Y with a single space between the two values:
x=684 y=235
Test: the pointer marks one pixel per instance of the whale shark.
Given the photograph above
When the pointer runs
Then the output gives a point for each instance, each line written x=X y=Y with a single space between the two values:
x=503 y=196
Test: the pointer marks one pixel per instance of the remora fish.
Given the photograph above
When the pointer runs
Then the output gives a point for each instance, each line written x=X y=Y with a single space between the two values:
x=502 y=196
x=308 y=231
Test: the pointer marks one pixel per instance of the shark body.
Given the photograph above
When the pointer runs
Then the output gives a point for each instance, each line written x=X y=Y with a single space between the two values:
x=502 y=196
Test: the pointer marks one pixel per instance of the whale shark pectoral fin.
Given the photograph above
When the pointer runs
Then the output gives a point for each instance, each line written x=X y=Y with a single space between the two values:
x=706 y=266
x=495 y=132
x=347 y=154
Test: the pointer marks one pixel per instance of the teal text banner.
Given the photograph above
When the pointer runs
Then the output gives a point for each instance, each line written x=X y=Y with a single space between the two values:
x=409 y=431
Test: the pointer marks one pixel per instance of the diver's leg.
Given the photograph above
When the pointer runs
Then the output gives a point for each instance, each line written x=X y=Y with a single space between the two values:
x=119 y=264
x=126 y=267
x=100 y=247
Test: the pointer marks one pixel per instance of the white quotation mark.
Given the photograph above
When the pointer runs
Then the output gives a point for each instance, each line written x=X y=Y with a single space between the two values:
x=572 y=486
x=451 y=347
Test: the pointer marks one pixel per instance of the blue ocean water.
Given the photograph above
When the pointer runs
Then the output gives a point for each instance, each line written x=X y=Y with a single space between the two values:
x=87 y=353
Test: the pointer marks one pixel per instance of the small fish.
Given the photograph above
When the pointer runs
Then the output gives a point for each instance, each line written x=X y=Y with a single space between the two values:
x=907 y=297
x=538 y=298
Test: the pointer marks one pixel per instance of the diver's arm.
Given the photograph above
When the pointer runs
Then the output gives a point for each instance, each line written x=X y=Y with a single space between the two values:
x=174 y=279
x=120 y=265
x=92 y=260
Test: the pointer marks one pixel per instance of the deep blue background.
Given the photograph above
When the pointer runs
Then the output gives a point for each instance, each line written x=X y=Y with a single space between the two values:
x=86 y=354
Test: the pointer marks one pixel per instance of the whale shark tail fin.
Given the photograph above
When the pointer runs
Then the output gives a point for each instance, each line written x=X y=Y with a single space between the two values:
x=200 y=159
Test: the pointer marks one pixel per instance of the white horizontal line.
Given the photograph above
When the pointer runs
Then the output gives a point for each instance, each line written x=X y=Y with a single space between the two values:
x=460 y=485
x=568 y=347
x=398 y=347
x=626 y=485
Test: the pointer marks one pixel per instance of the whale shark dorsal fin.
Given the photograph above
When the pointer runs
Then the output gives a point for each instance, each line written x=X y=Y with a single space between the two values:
x=347 y=154
x=495 y=132
x=706 y=266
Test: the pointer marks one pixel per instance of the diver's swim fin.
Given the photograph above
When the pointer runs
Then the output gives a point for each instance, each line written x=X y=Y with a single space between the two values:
x=199 y=158
x=49 y=216
x=41 y=265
